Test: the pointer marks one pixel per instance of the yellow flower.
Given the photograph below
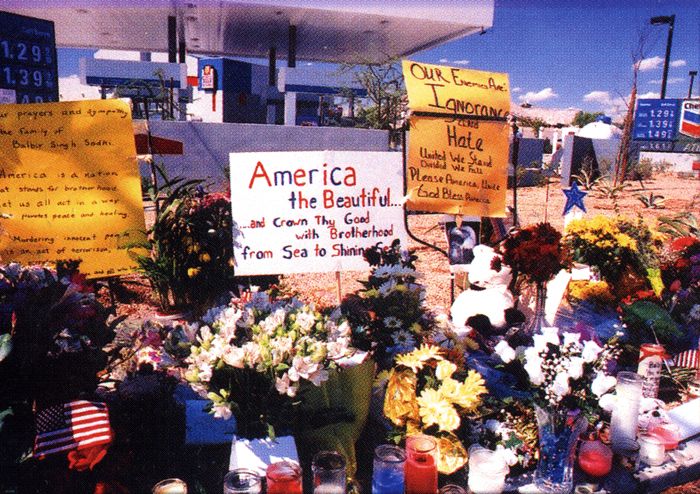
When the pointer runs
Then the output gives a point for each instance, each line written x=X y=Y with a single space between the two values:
x=204 y=257
x=428 y=352
x=400 y=402
x=469 y=392
x=410 y=360
x=451 y=454
x=436 y=410
x=193 y=272
x=445 y=369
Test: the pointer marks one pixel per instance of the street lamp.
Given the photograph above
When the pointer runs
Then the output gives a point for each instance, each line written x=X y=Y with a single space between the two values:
x=670 y=20
x=692 y=75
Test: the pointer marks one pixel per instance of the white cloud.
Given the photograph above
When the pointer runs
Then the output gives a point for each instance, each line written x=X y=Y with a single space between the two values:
x=649 y=95
x=461 y=62
x=443 y=60
x=602 y=97
x=670 y=80
x=678 y=63
x=544 y=94
x=70 y=89
x=650 y=63
x=516 y=89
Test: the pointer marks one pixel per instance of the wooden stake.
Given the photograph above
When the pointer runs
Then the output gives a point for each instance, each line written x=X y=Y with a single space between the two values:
x=338 y=287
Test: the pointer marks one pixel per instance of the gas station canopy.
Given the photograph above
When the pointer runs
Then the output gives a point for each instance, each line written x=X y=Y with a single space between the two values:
x=353 y=31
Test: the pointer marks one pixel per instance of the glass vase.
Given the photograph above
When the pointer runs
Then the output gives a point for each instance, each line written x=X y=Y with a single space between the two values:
x=538 y=320
x=558 y=434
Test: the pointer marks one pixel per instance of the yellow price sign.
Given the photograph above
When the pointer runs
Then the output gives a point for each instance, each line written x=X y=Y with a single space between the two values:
x=457 y=166
x=451 y=90
x=70 y=187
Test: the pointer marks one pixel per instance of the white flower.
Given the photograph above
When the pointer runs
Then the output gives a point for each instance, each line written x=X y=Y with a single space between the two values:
x=338 y=348
x=533 y=367
x=608 y=402
x=694 y=312
x=570 y=338
x=548 y=335
x=235 y=357
x=319 y=377
x=492 y=425
x=306 y=320
x=222 y=412
x=560 y=386
x=575 y=368
x=302 y=368
x=591 y=350
x=509 y=456
x=602 y=384
x=284 y=386
x=504 y=351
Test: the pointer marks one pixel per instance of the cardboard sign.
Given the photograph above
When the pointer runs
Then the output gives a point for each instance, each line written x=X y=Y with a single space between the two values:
x=316 y=211
x=69 y=185
x=451 y=90
x=457 y=166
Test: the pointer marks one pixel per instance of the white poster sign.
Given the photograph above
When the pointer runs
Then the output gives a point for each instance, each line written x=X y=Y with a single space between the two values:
x=314 y=211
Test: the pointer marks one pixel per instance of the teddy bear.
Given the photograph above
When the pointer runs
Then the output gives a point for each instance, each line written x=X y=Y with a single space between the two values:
x=488 y=295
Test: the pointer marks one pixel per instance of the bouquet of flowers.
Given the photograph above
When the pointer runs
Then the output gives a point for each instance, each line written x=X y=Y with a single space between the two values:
x=428 y=393
x=623 y=251
x=252 y=359
x=388 y=315
x=535 y=252
x=567 y=372
x=681 y=277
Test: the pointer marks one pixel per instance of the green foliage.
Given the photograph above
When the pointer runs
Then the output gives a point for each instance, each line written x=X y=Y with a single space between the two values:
x=652 y=201
x=648 y=322
x=534 y=123
x=681 y=225
x=583 y=118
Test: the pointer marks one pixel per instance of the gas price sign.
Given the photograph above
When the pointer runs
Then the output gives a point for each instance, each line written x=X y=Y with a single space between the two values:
x=656 y=119
x=28 y=58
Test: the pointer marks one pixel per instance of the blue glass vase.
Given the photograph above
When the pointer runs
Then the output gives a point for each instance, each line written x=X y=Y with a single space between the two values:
x=558 y=434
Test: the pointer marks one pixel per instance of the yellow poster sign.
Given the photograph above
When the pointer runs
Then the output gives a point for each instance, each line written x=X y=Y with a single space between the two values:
x=70 y=187
x=449 y=90
x=457 y=166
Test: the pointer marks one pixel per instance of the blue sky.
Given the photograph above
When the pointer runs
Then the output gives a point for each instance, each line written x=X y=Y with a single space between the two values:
x=569 y=53
x=578 y=53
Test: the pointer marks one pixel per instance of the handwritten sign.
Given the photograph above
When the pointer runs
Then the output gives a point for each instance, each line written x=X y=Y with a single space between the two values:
x=457 y=166
x=69 y=185
x=302 y=212
x=451 y=90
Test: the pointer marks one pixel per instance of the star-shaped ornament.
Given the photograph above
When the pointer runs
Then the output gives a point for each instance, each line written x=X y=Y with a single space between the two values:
x=574 y=198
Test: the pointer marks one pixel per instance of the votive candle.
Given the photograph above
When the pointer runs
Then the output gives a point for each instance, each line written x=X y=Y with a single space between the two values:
x=623 y=423
x=284 y=477
x=388 y=470
x=487 y=471
x=421 y=465
x=651 y=450
x=668 y=434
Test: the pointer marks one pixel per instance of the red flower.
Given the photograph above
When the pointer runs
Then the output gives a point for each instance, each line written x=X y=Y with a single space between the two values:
x=682 y=243
x=86 y=458
x=675 y=286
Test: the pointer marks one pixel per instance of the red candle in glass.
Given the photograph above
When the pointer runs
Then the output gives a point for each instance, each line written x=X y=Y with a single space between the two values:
x=421 y=474
x=595 y=458
x=669 y=434
x=284 y=477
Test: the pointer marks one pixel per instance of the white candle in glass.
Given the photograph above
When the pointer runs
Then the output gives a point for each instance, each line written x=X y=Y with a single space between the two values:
x=651 y=450
x=623 y=423
x=487 y=471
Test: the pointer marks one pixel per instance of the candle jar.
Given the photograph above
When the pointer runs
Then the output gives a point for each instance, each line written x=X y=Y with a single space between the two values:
x=651 y=450
x=328 y=469
x=623 y=423
x=284 y=477
x=595 y=458
x=487 y=471
x=669 y=434
x=421 y=474
x=388 y=470
x=170 y=486
x=242 y=481
x=452 y=489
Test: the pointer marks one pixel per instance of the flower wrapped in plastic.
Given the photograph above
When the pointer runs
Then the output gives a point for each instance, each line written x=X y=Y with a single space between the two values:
x=428 y=393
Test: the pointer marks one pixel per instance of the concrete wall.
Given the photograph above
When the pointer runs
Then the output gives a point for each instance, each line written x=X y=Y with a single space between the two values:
x=680 y=162
x=207 y=145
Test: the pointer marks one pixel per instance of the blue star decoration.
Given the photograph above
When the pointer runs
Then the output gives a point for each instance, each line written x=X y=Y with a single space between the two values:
x=574 y=198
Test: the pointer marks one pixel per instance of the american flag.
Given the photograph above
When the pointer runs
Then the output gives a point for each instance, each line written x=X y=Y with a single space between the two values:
x=75 y=425
x=688 y=359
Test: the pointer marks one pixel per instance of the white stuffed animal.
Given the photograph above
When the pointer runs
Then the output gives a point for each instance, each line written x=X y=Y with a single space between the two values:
x=494 y=297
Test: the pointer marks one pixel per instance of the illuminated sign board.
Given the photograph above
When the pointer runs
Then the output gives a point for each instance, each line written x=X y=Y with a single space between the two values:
x=28 y=58
x=656 y=119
